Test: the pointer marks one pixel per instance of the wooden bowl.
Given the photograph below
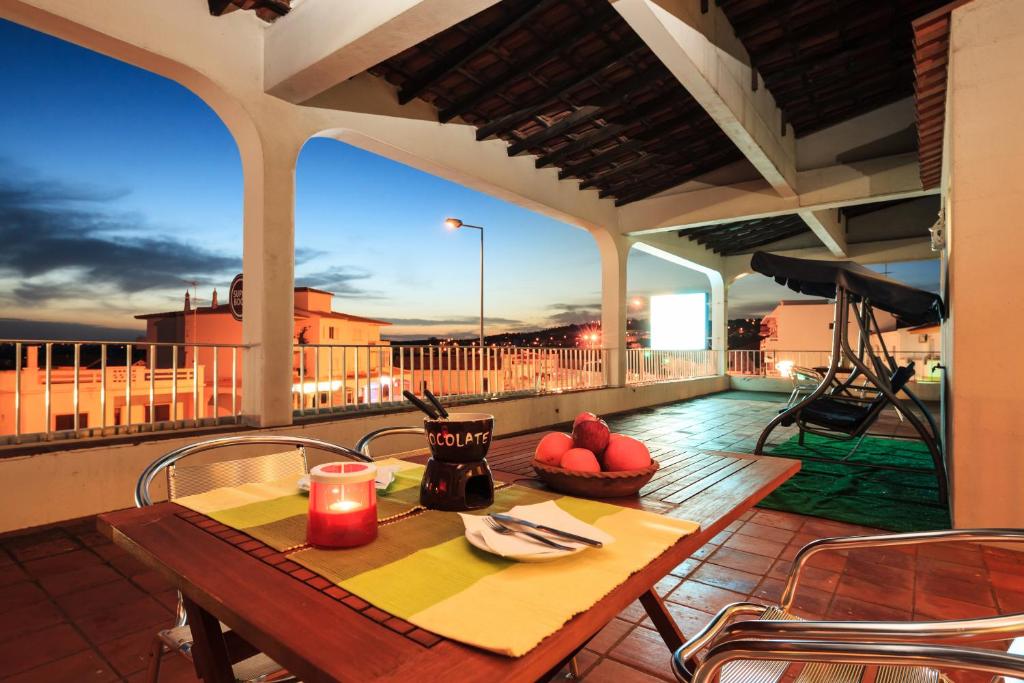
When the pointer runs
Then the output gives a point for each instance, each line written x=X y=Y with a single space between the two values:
x=595 y=484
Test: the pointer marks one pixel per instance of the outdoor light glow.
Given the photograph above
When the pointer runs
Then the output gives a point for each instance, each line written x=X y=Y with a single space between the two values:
x=452 y=223
x=784 y=367
x=679 y=321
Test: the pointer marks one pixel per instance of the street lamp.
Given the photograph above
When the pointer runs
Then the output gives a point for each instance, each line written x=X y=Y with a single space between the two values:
x=455 y=224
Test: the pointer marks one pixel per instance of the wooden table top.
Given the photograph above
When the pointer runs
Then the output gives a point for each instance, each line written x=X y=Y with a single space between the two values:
x=318 y=639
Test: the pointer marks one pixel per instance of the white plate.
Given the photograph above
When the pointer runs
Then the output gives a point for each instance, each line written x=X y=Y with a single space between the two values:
x=385 y=477
x=543 y=554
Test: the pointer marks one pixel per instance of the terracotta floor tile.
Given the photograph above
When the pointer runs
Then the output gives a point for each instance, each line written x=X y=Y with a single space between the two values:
x=15 y=595
x=84 y=577
x=769 y=592
x=930 y=606
x=974 y=591
x=704 y=597
x=173 y=669
x=666 y=585
x=685 y=568
x=1007 y=581
x=82 y=667
x=758 y=546
x=880 y=574
x=704 y=551
x=129 y=653
x=31 y=650
x=690 y=620
x=811 y=603
x=644 y=649
x=585 y=660
x=720 y=537
x=634 y=613
x=98 y=598
x=744 y=561
x=850 y=609
x=39 y=548
x=782 y=520
x=780 y=569
x=611 y=634
x=953 y=552
x=11 y=573
x=819 y=579
x=27 y=619
x=151 y=582
x=1009 y=601
x=64 y=562
x=610 y=671
x=770 y=533
x=724 y=577
x=952 y=570
x=123 y=618
x=853 y=587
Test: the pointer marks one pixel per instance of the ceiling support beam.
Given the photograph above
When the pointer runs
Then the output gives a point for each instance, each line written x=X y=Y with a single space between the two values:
x=703 y=53
x=863 y=182
x=830 y=227
x=325 y=43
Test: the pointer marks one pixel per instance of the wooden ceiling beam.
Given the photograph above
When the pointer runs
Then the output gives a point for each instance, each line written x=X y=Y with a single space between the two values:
x=548 y=96
x=556 y=48
x=455 y=60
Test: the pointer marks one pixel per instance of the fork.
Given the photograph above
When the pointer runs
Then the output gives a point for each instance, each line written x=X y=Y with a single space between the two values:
x=506 y=531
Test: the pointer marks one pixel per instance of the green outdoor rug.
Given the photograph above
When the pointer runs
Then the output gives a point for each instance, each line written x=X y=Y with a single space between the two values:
x=884 y=499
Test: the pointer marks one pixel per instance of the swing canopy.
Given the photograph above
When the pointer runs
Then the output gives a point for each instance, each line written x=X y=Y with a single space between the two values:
x=820 y=278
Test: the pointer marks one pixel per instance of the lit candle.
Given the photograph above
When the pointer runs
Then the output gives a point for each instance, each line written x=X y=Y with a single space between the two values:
x=342 y=505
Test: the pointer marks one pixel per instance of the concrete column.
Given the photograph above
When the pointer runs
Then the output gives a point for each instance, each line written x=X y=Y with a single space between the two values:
x=614 y=250
x=719 y=318
x=268 y=265
x=984 y=198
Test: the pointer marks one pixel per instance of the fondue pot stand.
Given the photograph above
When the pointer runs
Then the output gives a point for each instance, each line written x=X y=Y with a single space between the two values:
x=457 y=475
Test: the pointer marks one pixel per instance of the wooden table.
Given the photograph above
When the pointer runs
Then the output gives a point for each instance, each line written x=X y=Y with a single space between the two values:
x=319 y=639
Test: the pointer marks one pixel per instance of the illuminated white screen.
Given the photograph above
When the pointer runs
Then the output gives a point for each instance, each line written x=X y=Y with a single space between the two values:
x=679 y=321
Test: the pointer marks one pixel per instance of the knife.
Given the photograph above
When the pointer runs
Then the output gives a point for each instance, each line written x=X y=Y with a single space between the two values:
x=540 y=527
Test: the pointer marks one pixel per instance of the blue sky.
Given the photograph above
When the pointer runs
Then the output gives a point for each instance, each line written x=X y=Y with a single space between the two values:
x=118 y=186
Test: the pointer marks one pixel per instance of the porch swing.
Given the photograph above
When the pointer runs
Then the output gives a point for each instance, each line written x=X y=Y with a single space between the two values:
x=846 y=408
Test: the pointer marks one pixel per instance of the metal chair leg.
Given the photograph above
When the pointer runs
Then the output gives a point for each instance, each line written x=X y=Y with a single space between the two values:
x=156 y=653
x=574 y=669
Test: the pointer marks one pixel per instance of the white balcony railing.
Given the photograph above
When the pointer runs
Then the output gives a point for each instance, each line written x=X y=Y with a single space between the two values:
x=331 y=377
x=59 y=389
x=773 y=363
x=644 y=366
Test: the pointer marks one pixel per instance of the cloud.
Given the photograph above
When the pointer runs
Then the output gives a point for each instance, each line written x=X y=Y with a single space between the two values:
x=17 y=328
x=341 y=281
x=465 y=320
x=574 y=314
x=48 y=229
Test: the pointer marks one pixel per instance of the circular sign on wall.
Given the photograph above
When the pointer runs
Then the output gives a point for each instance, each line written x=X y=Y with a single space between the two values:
x=235 y=297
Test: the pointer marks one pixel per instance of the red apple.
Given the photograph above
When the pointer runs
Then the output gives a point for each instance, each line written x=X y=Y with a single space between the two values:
x=592 y=435
x=580 y=460
x=584 y=417
x=625 y=454
x=552 y=447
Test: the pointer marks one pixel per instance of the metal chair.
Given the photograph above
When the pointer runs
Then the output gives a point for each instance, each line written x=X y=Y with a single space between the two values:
x=761 y=650
x=194 y=479
x=805 y=380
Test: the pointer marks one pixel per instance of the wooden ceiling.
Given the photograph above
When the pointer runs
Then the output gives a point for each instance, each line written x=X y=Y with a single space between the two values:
x=743 y=237
x=569 y=82
x=826 y=61
x=931 y=61
x=267 y=10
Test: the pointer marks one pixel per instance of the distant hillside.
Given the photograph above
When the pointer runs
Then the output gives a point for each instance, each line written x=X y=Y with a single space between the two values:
x=16 y=328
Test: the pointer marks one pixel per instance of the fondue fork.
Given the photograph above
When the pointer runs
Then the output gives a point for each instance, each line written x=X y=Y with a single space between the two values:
x=505 y=531
x=437 y=404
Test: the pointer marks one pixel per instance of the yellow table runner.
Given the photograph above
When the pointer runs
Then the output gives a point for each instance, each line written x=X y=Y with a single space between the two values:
x=422 y=569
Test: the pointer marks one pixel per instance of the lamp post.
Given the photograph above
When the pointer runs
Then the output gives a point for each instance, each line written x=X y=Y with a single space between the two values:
x=455 y=224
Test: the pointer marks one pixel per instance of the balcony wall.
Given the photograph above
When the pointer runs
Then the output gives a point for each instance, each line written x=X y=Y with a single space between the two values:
x=76 y=480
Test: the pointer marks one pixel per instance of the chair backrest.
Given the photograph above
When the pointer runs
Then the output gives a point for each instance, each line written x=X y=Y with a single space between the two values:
x=234 y=472
x=189 y=480
x=805 y=378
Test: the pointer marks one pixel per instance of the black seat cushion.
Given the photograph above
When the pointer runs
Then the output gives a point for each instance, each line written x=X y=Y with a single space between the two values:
x=835 y=414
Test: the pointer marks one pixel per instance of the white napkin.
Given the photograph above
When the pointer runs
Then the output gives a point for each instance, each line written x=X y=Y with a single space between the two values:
x=518 y=545
x=385 y=477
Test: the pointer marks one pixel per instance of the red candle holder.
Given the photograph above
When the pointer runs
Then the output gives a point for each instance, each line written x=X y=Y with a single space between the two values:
x=342 y=505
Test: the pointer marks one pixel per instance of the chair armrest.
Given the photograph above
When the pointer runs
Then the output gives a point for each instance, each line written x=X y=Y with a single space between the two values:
x=982 y=629
x=883 y=654
x=363 y=445
x=888 y=540
x=700 y=640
